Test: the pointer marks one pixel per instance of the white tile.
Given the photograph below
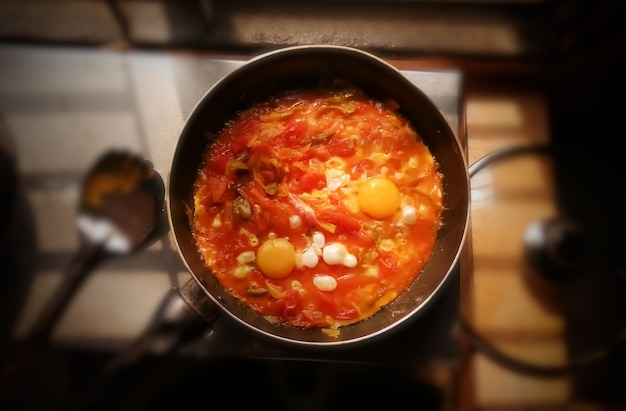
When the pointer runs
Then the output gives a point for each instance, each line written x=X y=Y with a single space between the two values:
x=114 y=305
x=54 y=212
x=110 y=305
x=46 y=70
x=69 y=141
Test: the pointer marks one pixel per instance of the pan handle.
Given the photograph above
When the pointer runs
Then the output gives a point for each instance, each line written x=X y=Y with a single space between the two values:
x=184 y=314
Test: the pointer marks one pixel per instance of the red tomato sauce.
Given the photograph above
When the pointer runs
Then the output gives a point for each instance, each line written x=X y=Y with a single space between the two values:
x=288 y=172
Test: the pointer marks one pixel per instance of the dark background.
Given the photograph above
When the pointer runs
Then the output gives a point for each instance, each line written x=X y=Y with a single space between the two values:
x=572 y=50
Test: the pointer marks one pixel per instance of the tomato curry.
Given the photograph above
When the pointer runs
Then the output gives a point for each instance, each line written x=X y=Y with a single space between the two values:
x=317 y=207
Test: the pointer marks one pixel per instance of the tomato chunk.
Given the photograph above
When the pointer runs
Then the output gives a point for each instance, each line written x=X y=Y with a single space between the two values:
x=312 y=181
x=343 y=221
x=344 y=147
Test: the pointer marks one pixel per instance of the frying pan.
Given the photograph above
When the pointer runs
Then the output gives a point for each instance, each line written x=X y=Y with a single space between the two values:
x=189 y=312
x=297 y=67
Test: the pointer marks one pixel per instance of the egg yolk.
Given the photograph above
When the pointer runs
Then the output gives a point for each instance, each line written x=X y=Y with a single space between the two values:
x=276 y=258
x=379 y=197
